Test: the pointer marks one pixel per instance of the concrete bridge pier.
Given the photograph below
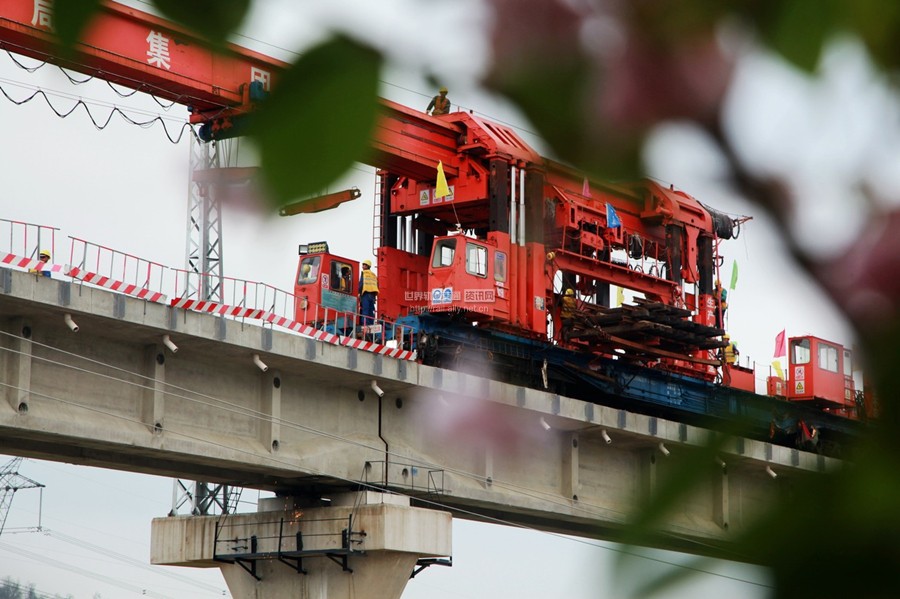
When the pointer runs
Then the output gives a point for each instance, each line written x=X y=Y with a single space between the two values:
x=363 y=546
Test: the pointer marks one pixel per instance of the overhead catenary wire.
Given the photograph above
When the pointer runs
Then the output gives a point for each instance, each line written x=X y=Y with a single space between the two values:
x=361 y=484
x=21 y=551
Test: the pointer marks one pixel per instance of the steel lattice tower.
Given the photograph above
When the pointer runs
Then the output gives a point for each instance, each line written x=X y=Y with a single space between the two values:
x=10 y=482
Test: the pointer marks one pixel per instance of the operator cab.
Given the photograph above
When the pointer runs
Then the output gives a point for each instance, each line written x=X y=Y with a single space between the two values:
x=821 y=373
x=467 y=274
x=325 y=287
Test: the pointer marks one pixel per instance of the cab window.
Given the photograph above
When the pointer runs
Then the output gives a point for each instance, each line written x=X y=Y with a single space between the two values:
x=341 y=276
x=848 y=365
x=800 y=351
x=476 y=259
x=309 y=270
x=828 y=357
x=444 y=252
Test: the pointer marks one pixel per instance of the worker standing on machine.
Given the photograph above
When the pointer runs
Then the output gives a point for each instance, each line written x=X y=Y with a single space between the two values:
x=439 y=104
x=567 y=311
x=721 y=295
x=368 y=292
x=731 y=350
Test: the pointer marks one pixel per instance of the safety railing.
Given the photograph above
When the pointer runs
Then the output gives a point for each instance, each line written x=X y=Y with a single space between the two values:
x=413 y=478
x=22 y=243
x=99 y=265
x=27 y=239
x=116 y=270
x=238 y=298
x=289 y=542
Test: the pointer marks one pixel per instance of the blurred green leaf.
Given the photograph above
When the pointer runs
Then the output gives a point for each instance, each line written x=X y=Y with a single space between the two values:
x=319 y=120
x=553 y=97
x=798 y=30
x=70 y=18
x=213 y=19
x=877 y=23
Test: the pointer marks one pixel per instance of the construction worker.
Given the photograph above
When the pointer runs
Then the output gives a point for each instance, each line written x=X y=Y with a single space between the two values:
x=305 y=273
x=344 y=282
x=439 y=104
x=368 y=292
x=731 y=350
x=721 y=296
x=44 y=257
x=567 y=310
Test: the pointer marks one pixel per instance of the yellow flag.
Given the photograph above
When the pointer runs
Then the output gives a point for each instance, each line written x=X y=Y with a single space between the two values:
x=442 y=190
x=620 y=296
x=777 y=365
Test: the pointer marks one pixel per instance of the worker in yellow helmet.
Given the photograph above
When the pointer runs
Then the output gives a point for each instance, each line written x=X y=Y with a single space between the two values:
x=439 y=104
x=368 y=293
x=567 y=310
x=44 y=258
x=306 y=275
x=731 y=350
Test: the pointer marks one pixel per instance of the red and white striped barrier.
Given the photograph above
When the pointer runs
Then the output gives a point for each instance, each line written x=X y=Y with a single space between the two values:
x=217 y=308
x=114 y=285
x=361 y=344
x=303 y=329
x=377 y=348
x=29 y=263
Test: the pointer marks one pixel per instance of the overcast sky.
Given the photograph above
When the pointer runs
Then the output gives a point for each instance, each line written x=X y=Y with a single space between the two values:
x=126 y=188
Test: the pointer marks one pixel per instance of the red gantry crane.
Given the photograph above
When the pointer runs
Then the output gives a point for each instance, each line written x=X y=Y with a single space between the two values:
x=535 y=227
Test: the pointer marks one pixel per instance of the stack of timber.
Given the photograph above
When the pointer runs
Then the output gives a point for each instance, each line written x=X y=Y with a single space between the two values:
x=646 y=330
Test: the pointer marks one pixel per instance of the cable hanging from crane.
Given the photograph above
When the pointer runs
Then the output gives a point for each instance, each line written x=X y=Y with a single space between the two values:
x=135 y=86
x=101 y=124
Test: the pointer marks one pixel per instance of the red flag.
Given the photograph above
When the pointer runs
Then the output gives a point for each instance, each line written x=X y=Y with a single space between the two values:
x=780 y=344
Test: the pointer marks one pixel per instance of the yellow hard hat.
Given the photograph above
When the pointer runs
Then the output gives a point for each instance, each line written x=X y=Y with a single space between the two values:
x=367 y=263
x=569 y=292
x=443 y=90
x=726 y=336
x=44 y=253
x=304 y=269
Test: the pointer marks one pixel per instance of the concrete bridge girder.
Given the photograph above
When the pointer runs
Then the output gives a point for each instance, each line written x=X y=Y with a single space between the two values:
x=112 y=395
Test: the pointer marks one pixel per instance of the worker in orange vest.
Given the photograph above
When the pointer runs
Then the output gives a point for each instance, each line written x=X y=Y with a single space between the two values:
x=439 y=104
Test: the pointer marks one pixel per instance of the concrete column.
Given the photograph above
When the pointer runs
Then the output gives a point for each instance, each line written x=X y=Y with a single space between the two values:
x=18 y=365
x=571 y=466
x=154 y=404
x=270 y=405
x=721 y=493
x=364 y=546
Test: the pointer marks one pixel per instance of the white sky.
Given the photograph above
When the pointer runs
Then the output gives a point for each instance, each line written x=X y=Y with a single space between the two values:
x=126 y=188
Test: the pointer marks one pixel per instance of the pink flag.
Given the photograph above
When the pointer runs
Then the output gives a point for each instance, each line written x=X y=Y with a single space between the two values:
x=780 y=344
x=586 y=188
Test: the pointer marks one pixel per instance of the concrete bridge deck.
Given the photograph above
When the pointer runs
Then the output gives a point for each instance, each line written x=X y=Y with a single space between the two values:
x=112 y=395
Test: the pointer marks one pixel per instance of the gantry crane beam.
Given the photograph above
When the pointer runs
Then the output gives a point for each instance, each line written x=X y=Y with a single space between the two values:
x=141 y=51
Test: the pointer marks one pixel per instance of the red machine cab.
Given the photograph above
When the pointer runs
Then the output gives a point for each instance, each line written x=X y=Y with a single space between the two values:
x=325 y=285
x=821 y=373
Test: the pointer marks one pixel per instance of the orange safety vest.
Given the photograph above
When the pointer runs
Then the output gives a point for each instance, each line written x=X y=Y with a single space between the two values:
x=441 y=105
